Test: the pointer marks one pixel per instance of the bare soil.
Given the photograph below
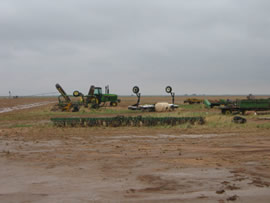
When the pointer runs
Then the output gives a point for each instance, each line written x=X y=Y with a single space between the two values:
x=42 y=163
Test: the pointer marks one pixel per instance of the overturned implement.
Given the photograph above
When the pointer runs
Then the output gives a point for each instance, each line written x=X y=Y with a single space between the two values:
x=120 y=121
x=159 y=107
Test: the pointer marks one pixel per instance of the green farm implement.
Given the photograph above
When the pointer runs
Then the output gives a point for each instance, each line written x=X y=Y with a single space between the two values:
x=241 y=106
x=213 y=103
x=94 y=99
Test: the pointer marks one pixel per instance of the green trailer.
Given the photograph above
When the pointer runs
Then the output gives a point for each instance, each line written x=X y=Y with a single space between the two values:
x=241 y=106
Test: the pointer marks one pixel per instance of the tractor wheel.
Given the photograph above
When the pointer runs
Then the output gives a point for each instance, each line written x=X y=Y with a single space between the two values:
x=113 y=104
x=94 y=103
x=168 y=89
x=135 y=89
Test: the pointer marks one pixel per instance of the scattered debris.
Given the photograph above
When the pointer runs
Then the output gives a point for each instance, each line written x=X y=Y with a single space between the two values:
x=232 y=198
x=239 y=120
x=193 y=101
x=220 y=191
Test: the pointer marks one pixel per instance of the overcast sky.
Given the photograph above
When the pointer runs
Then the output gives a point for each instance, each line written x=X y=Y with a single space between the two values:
x=203 y=47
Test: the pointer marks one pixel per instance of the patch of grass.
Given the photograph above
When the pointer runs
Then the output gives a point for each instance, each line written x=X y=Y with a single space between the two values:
x=21 y=126
x=263 y=126
x=191 y=106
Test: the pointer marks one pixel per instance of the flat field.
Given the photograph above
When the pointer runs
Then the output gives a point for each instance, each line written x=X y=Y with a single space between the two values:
x=219 y=161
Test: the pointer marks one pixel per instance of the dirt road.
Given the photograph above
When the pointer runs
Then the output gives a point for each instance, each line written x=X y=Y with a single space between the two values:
x=24 y=106
x=142 y=165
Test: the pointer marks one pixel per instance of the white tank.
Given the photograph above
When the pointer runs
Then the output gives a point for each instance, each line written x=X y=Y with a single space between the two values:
x=162 y=107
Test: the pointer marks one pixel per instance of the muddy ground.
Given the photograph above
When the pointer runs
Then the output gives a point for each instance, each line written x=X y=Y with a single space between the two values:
x=42 y=163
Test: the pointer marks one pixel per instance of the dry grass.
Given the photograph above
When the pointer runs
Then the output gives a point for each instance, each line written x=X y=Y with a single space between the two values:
x=215 y=121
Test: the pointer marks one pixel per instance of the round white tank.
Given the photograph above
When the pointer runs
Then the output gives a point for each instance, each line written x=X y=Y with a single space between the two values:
x=162 y=107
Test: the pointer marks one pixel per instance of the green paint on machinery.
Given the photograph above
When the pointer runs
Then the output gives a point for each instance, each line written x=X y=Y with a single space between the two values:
x=103 y=98
x=213 y=103
x=120 y=121
x=241 y=106
x=94 y=99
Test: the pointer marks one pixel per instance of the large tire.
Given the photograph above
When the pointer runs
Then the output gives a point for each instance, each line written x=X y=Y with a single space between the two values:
x=94 y=103
x=168 y=89
x=136 y=89
x=76 y=93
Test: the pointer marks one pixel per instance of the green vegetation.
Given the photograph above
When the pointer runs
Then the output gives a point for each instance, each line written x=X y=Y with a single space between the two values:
x=215 y=121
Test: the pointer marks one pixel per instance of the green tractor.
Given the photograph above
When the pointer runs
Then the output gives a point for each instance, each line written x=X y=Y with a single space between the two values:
x=97 y=99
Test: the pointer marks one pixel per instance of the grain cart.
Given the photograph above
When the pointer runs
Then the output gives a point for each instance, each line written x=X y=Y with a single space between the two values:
x=241 y=106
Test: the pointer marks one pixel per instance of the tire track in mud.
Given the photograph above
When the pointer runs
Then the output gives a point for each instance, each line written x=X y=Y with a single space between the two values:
x=25 y=106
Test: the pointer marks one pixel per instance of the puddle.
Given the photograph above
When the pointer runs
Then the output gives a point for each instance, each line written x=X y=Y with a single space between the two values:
x=164 y=136
x=25 y=106
x=205 y=135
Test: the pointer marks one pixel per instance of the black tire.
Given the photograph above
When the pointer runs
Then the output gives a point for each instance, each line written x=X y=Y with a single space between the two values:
x=76 y=93
x=168 y=89
x=136 y=89
x=239 y=120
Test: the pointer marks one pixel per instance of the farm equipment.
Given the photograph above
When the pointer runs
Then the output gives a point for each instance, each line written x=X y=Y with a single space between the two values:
x=241 y=106
x=102 y=99
x=94 y=99
x=213 y=103
x=64 y=101
x=161 y=106
x=193 y=101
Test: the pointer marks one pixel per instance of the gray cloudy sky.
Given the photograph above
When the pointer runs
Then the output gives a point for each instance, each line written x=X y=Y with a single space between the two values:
x=203 y=47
